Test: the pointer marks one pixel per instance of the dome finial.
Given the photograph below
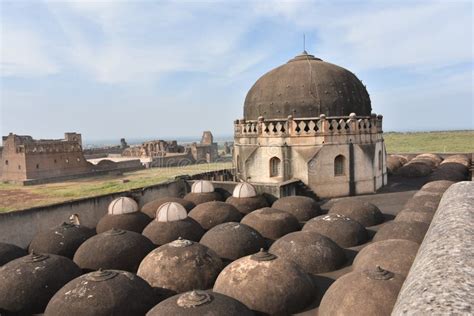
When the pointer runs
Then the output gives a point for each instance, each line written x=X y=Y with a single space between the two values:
x=304 y=45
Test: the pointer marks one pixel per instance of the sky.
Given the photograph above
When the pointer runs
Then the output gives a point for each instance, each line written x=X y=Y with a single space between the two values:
x=171 y=69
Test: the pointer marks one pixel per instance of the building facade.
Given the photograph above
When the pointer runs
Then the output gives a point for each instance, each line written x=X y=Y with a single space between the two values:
x=311 y=120
x=25 y=158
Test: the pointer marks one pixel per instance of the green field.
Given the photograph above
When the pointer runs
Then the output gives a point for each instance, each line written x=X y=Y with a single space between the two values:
x=15 y=196
x=439 y=142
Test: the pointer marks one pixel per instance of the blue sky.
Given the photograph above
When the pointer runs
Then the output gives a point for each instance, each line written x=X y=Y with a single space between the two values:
x=164 y=69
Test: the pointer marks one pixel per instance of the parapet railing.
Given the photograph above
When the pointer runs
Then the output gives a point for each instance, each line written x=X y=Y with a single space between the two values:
x=314 y=126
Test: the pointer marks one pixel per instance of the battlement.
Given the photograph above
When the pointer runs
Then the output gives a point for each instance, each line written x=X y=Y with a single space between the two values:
x=303 y=127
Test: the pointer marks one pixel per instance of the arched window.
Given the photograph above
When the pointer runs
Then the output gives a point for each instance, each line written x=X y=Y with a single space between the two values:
x=275 y=167
x=339 y=165
x=380 y=160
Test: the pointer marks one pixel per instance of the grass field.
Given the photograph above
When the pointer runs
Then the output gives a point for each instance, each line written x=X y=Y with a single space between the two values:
x=14 y=196
x=453 y=141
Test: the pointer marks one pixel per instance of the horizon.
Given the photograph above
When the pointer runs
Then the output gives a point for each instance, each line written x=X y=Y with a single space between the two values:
x=130 y=69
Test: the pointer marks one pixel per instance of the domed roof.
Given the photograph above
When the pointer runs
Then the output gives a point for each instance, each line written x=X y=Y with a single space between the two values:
x=170 y=212
x=202 y=186
x=306 y=86
x=244 y=190
x=122 y=205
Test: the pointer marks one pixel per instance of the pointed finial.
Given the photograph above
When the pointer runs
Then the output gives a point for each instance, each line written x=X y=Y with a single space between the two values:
x=304 y=44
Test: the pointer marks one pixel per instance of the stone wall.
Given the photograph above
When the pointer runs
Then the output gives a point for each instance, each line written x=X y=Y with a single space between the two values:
x=19 y=227
x=441 y=280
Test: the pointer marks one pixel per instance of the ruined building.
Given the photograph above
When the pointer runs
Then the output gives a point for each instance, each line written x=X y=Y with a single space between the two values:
x=311 y=120
x=25 y=158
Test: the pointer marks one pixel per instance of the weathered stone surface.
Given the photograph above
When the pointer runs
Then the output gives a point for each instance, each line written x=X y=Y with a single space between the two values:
x=409 y=215
x=302 y=207
x=342 y=230
x=198 y=198
x=414 y=170
x=134 y=222
x=367 y=214
x=232 y=240
x=115 y=249
x=414 y=231
x=9 y=252
x=313 y=252
x=213 y=213
x=395 y=255
x=267 y=284
x=103 y=293
x=441 y=281
x=271 y=223
x=370 y=292
x=61 y=240
x=437 y=186
x=161 y=233
x=423 y=203
x=150 y=208
x=246 y=205
x=181 y=266
x=28 y=283
x=197 y=303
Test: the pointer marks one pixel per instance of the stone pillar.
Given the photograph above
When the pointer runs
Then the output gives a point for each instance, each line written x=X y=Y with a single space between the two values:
x=441 y=280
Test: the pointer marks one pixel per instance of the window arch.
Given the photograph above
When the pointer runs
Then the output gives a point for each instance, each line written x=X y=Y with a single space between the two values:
x=339 y=162
x=275 y=167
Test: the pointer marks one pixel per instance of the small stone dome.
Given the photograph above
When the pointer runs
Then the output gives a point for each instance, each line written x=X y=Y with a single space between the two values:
x=437 y=186
x=246 y=205
x=436 y=159
x=28 y=283
x=306 y=86
x=150 y=208
x=408 y=215
x=414 y=231
x=122 y=205
x=423 y=203
x=103 y=293
x=134 y=222
x=161 y=232
x=199 y=198
x=395 y=162
x=396 y=255
x=9 y=252
x=302 y=207
x=202 y=186
x=372 y=292
x=313 y=252
x=232 y=241
x=455 y=168
x=415 y=170
x=271 y=223
x=461 y=159
x=197 y=303
x=268 y=284
x=114 y=249
x=244 y=190
x=365 y=213
x=61 y=240
x=450 y=174
x=171 y=212
x=210 y=214
x=180 y=266
x=342 y=230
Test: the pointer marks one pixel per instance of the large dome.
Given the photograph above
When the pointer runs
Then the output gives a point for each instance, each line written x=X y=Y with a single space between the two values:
x=306 y=86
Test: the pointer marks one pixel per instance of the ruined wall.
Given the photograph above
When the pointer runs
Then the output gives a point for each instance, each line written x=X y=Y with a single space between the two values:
x=19 y=227
x=25 y=158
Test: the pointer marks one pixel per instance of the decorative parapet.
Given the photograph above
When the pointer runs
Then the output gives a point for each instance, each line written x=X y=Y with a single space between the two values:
x=315 y=126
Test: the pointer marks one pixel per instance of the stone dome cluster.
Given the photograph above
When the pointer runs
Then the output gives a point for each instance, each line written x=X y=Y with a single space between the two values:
x=306 y=86
x=283 y=259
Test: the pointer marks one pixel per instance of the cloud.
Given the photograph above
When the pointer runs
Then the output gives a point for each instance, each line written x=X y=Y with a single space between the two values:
x=24 y=54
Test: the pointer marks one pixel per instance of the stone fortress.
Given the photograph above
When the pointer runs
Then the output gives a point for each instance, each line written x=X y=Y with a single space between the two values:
x=263 y=245
x=311 y=120
x=30 y=161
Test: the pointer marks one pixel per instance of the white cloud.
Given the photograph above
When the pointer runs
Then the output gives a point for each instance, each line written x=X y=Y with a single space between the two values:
x=24 y=54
